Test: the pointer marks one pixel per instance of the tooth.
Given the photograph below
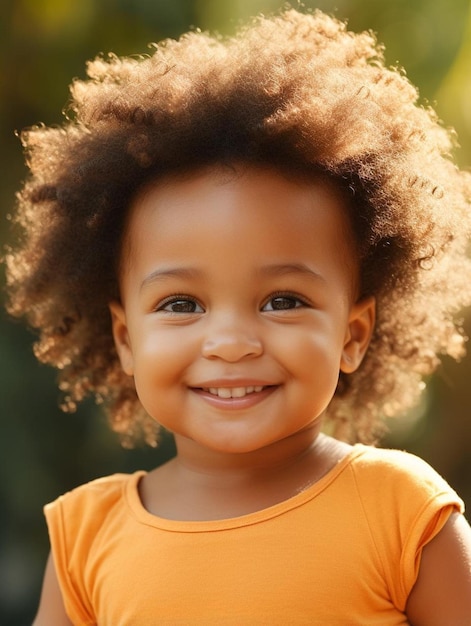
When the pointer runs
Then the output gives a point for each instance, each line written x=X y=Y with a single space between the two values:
x=233 y=392
x=239 y=392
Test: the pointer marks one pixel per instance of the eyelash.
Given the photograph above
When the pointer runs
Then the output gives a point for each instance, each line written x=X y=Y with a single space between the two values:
x=288 y=295
x=175 y=298
x=181 y=298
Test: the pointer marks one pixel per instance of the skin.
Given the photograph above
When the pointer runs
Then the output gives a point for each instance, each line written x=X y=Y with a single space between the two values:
x=225 y=288
x=249 y=279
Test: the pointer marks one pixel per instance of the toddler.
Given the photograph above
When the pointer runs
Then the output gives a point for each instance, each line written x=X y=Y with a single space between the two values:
x=251 y=243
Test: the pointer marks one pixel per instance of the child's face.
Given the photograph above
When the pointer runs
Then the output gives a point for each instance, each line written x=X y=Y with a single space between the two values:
x=239 y=305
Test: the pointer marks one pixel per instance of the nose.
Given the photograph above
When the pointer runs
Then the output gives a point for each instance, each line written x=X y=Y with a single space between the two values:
x=231 y=340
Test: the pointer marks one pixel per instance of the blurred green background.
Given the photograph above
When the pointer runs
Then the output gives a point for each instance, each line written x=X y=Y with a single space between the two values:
x=43 y=45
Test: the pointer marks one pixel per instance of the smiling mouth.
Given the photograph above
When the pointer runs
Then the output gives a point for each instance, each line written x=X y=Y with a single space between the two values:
x=233 y=392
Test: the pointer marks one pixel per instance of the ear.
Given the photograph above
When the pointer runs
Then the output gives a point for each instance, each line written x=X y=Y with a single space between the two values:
x=121 y=337
x=361 y=323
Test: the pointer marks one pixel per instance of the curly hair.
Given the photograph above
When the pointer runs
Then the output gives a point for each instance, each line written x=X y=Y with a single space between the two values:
x=294 y=91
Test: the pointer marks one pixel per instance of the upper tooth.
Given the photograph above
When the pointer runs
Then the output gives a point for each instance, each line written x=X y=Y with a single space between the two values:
x=233 y=392
x=239 y=392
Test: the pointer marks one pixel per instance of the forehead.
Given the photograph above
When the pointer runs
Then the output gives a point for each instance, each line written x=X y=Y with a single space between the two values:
x=251 y=211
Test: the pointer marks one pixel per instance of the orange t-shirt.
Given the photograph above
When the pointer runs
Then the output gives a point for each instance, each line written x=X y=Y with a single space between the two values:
x=345 y=551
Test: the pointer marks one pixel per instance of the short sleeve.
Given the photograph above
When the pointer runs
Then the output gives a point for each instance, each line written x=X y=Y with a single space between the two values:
x=406 y=503
x=72 y=595
x=439 y=502
x=74 y=521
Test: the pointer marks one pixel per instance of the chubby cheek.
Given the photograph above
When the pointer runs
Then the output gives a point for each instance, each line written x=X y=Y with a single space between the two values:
x=313 y=360
x=160 y=364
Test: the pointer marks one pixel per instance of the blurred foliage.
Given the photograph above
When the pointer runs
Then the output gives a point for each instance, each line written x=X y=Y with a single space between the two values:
x=43 y=45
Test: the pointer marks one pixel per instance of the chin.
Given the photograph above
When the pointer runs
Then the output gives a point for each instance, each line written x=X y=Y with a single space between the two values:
x=236 y=445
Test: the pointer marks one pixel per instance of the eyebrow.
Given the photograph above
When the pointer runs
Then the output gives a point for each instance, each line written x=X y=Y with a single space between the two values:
x=190 y=273
x=280 y=269
x=171 y=272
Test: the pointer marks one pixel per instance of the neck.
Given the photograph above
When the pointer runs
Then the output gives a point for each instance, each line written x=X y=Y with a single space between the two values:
x=193 y=459
x=202 y=484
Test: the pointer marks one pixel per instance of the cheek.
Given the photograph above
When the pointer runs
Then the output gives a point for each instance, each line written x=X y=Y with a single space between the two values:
x=160 y=359
x=308 y=349
x=312 y=360
x=315 y=369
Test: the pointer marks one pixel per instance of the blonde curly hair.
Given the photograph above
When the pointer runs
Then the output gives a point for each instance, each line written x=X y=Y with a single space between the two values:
x=294 y=91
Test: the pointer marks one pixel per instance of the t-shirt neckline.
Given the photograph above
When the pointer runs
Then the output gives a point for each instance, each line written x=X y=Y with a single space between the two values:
x=140 y=513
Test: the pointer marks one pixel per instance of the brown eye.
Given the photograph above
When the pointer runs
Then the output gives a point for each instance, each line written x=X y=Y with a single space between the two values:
x=180 y=305
x=283 y=303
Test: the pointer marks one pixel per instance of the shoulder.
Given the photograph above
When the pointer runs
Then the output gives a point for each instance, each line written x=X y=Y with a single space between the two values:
x=76 y=521
x=404 y=500
x=395 y=471
x=405 y=503
x=400 y=460
x=89 y=503
x=105 y=488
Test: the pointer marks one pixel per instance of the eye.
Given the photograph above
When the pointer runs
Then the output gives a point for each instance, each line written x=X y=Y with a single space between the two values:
x=179 y=304
x=284 y=302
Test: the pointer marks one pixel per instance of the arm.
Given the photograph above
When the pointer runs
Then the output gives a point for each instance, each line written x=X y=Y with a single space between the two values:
x=51 y=610
x=442 y=592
